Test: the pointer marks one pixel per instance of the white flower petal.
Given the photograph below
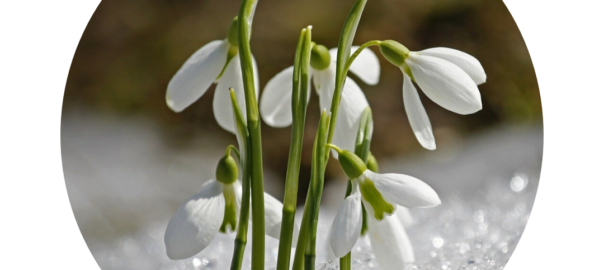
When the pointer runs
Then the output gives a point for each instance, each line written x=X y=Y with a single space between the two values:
x=272 y=216
x=196 y=75
x=195 y=223
x=331 y=256
x=238 y=194
x=403 y=189
x=347 y=224
x=325 y=82
x=366 y=66
x=445 y=83
x=223 y=109
x=468 y=63
x=352 y=105
x=231 y=78
x=420 y=123
x=276 y=101
x=390 y=243
x=404 y=215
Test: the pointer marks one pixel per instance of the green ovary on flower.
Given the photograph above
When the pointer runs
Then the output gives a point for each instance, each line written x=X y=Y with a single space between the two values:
x=351 y=164
x=233 y=36
x=372 y=196
x=233 y=40
x=394 y=52
x=227 y=170
x=319 y=57
x=230 y=209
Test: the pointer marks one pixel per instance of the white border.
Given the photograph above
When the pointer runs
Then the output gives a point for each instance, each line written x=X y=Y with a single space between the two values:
x=566 y=227
x=39 y=38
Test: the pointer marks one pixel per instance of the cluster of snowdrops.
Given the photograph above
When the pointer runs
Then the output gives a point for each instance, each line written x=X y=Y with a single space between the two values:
x=376 y=204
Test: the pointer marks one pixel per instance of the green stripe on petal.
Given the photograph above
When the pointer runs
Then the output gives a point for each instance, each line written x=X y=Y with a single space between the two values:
x=372 y=196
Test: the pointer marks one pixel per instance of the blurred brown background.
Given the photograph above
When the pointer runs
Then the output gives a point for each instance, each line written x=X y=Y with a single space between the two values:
x=131 y=49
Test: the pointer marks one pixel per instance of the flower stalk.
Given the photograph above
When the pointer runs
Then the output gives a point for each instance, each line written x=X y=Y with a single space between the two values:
x=316 y=189
x=253 y=124
x=363 y=143
x=299 y=104
x=244 y=214
x=306 y=248
x=344 y=45
x=307 y=237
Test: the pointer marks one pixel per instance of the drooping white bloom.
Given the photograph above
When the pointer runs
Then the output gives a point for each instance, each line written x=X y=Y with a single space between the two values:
x=207 y=66
x=390 y=243
x=275 y=103
x=447 y=76
x=400 y=250
x=379 y=194
x=198 y=220
x=395 y=189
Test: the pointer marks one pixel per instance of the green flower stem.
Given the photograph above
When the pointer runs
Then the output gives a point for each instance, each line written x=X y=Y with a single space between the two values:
x=302 y=236
x=233 y=149
x=345 y=43
x=364 y=135
x=307 y=239
x=357 y=52
x=316 y=190
x=363 y=142
x=306 y=248
x=299 y=105
x=244 y=214
x=345 y=262
x=253 y=124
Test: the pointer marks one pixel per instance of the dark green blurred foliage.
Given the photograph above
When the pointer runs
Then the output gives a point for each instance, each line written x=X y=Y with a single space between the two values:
x=130 y=50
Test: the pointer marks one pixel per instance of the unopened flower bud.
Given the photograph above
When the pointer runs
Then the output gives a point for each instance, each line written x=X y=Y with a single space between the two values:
x=226 y=170
x=319 y=57
x=394 y=52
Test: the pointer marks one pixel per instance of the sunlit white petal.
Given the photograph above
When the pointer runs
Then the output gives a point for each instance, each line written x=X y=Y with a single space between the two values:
x=347 y=224
x=366 y=66
x=256 y=77
x=272 y=216
x=236 y=186
x=325 y=82
x=276 y=101
x=468 y=63
x=404 y=215
x=195 y=223
x=196 y=75
x=331 y=256
x=420 y=123
x=445 y=83
x=403 y=189
x=352 y=105
x=222 y=105
x=390 y=243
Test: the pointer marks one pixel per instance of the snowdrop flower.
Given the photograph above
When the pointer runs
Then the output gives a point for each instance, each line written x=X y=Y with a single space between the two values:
x=448 y=77
x=390 y=243
x=379 y=194
x=214 y=209
x=275 y=104
x=216 y=62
